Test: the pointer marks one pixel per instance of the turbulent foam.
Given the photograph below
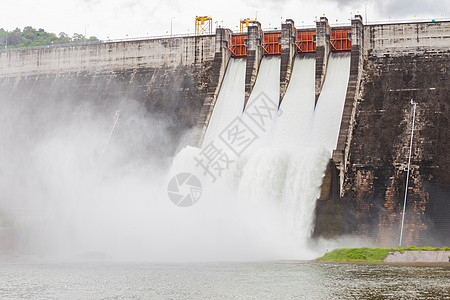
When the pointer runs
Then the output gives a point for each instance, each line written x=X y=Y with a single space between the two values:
x=272 y=186
x=261 y=208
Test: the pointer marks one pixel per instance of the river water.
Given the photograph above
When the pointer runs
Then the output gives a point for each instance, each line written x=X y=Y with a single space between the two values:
x=250 y=280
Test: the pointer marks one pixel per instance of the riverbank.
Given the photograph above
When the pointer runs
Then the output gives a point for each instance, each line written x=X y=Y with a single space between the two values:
x=405 y=255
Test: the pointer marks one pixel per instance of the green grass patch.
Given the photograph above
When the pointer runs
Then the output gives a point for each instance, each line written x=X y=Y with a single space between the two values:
x=370 y=254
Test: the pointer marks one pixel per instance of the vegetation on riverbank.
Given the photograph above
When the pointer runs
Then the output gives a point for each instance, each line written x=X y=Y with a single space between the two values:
x=370 y=254
x=31 y=37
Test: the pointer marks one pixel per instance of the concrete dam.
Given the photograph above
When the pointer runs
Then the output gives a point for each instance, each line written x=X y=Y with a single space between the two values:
x=347 y=88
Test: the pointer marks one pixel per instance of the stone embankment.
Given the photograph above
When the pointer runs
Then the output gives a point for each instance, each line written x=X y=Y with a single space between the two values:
x=418 y=256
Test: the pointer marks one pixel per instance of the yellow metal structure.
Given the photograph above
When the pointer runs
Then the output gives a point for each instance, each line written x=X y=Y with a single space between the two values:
x=244 y=23
x=203 y=25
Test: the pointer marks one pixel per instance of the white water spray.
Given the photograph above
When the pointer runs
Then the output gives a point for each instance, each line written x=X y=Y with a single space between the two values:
x=260 y=208
x=273 y=185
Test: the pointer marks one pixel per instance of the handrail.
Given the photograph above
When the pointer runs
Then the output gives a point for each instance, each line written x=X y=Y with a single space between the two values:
x=393 y=22
x=168 y=36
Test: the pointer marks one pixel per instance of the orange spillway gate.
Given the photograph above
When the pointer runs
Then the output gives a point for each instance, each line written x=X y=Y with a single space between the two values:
x=237 y=46
x=340 y=41
x=271 y=44
x=305 y=42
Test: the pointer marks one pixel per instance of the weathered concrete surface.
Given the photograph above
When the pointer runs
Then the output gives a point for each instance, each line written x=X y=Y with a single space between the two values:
x=331 y=207
x=419 y=256
x=288 y=51
x=323 y=49
x=170 y=78
x=221 y=59
x=374 y=179
x=340 y=154
x=254 y=55
x=407 y=39
x=154 y=53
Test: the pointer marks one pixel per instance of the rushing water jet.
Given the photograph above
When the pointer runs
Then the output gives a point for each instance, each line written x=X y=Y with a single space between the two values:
x=276 y=178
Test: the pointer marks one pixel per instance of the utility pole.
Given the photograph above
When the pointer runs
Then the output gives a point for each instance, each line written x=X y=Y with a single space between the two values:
x=85 y=28
x=171 y=25
x=365 y=11
x=407 y=174
x=109 y=137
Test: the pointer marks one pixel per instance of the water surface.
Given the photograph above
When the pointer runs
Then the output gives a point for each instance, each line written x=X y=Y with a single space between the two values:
x=256 y=280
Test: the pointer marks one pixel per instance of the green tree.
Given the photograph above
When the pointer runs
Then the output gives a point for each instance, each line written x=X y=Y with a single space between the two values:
x=30 y=37
x=78 y=37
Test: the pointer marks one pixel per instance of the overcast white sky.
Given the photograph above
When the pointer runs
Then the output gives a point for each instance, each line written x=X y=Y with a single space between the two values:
x=136 y=18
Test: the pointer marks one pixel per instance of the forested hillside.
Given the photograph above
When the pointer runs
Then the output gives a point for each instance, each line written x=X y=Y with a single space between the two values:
x=30 y=37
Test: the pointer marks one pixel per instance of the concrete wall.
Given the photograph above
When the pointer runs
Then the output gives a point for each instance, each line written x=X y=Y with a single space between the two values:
x=418 y=256
x=375 y=180
x=167 y=52
x=407 y=39
x=170 y=78
x=179 y=79
x=401 y=62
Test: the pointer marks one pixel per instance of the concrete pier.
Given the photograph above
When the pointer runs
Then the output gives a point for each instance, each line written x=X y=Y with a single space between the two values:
x=341 y=153
x=254 y=55
x=323 y=50
x=221 y=59
x=288 y=51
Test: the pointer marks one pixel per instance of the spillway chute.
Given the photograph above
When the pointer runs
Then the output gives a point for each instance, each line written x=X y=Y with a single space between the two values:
x=276 y=158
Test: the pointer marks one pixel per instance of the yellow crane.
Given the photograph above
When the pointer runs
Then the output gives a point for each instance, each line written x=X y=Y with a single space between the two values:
x=203 y=25
x=244 y=23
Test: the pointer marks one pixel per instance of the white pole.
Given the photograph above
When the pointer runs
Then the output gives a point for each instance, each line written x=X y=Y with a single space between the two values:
x=109 y=138
x=365 y=11
x=85 y=29
x=171 y=19
x=407 y=174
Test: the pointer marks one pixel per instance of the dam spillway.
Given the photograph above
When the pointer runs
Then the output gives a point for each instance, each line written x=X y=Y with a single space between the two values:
x=291 y=146
x=330 y=105
x=230 y=102
x=181 y=79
